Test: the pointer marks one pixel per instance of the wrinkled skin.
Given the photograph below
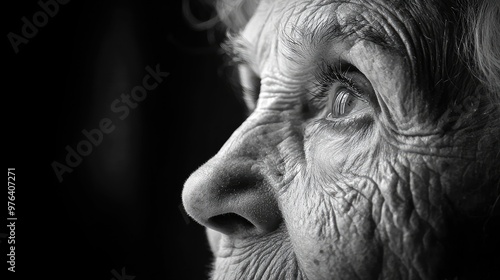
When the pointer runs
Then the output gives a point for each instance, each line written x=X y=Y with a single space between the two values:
x=373 y=194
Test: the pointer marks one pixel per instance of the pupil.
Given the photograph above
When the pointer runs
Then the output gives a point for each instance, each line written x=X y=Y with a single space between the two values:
x=344 y=102
x=349 y=103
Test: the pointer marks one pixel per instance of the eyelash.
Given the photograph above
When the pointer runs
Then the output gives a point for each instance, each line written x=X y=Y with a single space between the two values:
x=328 y=75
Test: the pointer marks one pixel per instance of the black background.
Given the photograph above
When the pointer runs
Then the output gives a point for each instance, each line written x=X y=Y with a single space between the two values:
x=120 y=207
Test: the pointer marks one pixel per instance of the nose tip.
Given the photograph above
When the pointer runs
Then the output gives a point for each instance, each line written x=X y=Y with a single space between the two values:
x=231 y=197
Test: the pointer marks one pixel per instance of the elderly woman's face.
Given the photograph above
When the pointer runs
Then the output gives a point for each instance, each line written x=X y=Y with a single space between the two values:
x=340 y=171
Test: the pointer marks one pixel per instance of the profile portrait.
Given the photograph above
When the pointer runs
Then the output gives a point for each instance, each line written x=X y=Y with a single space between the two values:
x=371 y=144
x=252 y=140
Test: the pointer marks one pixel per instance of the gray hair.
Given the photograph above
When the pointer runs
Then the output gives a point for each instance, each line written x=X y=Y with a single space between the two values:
x=483 y=44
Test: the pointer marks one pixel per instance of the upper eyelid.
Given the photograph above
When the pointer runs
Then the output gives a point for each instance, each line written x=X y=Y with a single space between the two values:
x=238 y=49
x=327 y=74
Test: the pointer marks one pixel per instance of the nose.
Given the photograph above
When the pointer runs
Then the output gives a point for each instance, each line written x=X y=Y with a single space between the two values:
x=229 y=194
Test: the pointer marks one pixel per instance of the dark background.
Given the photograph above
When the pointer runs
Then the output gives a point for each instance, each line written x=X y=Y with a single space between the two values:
x=120 y=208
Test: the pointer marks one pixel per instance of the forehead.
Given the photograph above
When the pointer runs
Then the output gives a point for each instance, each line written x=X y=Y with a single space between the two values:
x=377 y=20
x=291 y=27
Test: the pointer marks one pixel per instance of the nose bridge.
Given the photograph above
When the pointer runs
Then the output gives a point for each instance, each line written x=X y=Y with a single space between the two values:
x=256 y=138
x=231 y=193
x=264 y=139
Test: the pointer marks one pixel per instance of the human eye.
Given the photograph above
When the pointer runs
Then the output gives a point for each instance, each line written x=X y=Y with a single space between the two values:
x=343 y=102
x=340 y=94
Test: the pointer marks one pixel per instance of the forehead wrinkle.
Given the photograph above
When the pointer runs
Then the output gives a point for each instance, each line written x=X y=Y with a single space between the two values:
x=419 y=28
x=302 y=38
x=387 y=24
x=394 y=21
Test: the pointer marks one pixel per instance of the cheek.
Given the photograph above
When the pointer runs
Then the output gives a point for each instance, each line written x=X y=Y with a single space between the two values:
x=332 y=226
x=327 y=154
x=329 y=210
x=357 y=204
x=333 y=152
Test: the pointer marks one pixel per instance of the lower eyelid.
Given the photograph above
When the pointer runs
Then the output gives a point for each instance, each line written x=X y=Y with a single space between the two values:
x=354 y=129
x=352 y=124
x=359 y=114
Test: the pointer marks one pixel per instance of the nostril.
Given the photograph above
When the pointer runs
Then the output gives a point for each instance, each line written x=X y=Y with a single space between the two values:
x=230 y=223
x=231 y=196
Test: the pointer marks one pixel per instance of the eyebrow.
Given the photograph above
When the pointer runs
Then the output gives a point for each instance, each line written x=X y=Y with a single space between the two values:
x=239 y=49
x=331 y=30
